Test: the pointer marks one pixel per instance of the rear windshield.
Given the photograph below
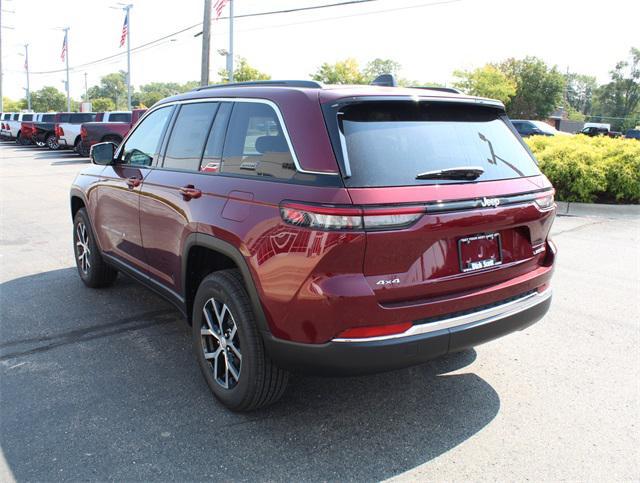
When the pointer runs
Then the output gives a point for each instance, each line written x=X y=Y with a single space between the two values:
x=77 y=118
x=120 y=117
x=389 y=143
x=48 y=117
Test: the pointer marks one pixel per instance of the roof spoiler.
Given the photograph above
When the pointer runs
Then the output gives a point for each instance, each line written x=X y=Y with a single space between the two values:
x=385 y=80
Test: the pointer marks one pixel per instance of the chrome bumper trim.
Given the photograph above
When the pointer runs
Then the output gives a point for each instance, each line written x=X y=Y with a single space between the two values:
x=471 y=320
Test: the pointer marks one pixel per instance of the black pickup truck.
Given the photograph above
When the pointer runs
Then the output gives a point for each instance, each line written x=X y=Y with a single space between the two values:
x=44 y=132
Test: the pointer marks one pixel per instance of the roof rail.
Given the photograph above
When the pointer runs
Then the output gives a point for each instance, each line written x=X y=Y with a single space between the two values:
x=438 y=88
x=385 y=80
x=266 y=83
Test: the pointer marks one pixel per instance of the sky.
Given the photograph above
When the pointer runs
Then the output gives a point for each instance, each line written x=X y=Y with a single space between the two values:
x=429 y=38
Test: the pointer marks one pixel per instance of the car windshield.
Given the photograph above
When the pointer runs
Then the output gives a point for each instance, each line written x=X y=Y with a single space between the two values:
x=393 y=143
x=543 y=126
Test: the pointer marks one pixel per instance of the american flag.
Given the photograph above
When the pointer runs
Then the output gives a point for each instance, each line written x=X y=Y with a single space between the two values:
x=64 y=48
x=218 y=7
x=125 y=29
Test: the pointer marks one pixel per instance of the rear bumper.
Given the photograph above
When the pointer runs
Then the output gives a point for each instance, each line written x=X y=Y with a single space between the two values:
x=420 y=344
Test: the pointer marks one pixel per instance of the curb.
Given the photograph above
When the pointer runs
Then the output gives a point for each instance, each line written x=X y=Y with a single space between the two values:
x=593 y=210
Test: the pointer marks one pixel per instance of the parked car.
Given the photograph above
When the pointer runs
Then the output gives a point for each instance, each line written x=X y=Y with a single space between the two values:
x=535 y=128
x=336 y=230
x=599 y=129
x=12 y=125
x=4 y=125
x=112 y=129
x=68 y=131
x=632 y=134
x=27 y=129
x=44 y=132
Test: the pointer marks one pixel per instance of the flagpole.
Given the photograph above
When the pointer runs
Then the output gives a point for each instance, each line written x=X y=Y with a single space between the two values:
x=127 y=9
x=230 y=54
x=26 y=63
x=66 y=56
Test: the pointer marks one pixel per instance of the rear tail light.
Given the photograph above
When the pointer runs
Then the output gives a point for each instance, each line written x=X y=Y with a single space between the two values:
x=2 y=127
x=545 y=202
x=374 y=331
x=59 y=131
x=327 y=217
x=83 y=133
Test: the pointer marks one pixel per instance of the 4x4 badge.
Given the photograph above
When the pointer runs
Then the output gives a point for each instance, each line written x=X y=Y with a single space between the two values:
x=388 y=282
x=490 y=202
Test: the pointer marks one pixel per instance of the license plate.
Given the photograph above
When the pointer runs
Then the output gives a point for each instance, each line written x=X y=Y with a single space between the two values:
x=480 y=251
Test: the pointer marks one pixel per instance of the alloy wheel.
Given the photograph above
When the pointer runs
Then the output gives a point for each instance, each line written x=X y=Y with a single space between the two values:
x=221 y=343
x=82 y=247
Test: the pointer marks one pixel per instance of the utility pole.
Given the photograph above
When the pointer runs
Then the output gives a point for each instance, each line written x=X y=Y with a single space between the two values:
x=26 y=66
x=86 y=96
x=206 y=44
x=230 y=54
x=66 y=42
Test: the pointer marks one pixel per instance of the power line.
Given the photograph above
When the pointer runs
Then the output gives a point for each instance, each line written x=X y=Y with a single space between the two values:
x=257 y=14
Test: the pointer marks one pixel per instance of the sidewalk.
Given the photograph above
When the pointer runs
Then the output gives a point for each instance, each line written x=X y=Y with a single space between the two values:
x=593 y=210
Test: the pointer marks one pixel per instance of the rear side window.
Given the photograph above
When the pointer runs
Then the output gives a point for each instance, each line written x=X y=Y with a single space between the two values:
x=48 y=117
x=120 y=117
x=256 y=144
x=27 y=117
x=189 y=135
x=7 y=117
x=79 y=117
x=64 y=117
x=390 y=143
x=15 y=117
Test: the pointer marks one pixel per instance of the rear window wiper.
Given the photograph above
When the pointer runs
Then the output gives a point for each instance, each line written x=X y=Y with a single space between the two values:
x=462 y=172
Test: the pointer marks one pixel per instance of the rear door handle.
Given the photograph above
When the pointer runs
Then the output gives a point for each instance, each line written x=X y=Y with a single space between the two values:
x=190 y=192
x=133 y=182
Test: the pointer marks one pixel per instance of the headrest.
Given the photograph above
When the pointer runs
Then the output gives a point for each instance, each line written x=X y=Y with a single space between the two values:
x=271 y=144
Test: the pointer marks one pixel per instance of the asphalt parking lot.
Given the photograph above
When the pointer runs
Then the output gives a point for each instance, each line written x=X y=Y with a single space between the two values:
x=101 y=384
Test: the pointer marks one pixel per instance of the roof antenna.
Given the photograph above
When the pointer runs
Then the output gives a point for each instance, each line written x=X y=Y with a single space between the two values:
x=385 y=80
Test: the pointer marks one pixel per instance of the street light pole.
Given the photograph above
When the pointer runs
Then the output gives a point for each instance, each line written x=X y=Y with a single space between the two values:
x=26 y=64
x=66 y=37
x=127 y=9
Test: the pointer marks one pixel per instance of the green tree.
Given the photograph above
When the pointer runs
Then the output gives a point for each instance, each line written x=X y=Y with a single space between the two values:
x=620 y=98
x=48 y=99
x=539 y=88
x=112 y=86
x=102 y=104
x=342 y=72
x=378 y=67
x=579 y=92
x=11 y=105
x=243 y=73
x=487 y=81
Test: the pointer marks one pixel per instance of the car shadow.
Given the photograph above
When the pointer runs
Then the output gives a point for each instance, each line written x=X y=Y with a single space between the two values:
x=101 y=384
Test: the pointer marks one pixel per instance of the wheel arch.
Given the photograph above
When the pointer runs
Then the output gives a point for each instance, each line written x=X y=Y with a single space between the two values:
x=197 y=241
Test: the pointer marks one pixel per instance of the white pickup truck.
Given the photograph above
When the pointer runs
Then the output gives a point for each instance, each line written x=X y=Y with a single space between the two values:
x=11 y=126
x=68 y=133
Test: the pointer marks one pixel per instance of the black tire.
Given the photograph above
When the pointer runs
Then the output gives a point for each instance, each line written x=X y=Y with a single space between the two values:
x=260 y=381
x=20 y=139
x=52 y=142
x=95 y=273
x=77 y=146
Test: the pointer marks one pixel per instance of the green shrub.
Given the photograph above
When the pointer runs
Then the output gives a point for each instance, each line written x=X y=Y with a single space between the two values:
x=589 y=169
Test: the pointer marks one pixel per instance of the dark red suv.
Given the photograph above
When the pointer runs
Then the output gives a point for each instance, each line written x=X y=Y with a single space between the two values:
x=338 y=230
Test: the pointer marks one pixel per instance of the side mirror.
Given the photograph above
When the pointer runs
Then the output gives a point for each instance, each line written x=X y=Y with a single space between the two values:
x=103 y=153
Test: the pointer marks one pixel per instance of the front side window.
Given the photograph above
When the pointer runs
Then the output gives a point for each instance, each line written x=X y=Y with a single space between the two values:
x=256 y=144
x=141 y=147
x=189 y=135
x=398 y=143
x=80 y=117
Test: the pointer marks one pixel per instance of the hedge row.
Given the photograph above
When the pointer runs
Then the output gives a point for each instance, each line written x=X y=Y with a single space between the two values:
x=590 y=169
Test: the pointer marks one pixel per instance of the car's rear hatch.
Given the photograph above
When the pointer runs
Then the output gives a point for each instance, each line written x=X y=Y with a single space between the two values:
x=452 y=200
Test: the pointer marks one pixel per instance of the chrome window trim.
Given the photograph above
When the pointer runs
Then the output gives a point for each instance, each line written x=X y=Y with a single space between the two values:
x=271 y=104
x=475 y=319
